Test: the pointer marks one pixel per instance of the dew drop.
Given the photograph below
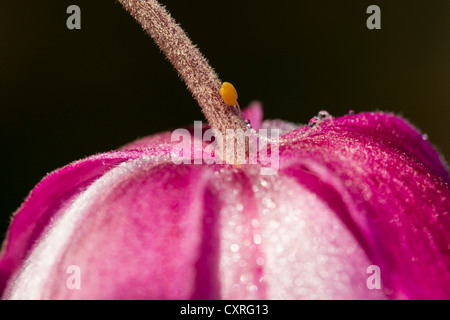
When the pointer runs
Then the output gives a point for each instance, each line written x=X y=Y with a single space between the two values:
x=260 y=261
x=314 y=121
x=248 y=123
x=257 y=239
x=323 y=115
x=425 y=137
x=253 y=288
x=263 y=183
x=268 y=203
x=351 y=111
x=255 y=223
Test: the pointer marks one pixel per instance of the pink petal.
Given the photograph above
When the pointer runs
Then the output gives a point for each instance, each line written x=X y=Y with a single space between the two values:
x=281 y=241
x=135 y=233
x=358 y=190
x=395 y=190
x=50 y=197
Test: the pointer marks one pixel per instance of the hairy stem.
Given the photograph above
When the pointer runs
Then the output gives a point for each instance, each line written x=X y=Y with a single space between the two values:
x=192 y=66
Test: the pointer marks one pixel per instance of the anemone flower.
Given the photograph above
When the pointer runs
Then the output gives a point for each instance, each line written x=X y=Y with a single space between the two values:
x=356 y=207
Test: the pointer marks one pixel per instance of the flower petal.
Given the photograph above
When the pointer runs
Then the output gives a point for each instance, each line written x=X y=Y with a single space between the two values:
x=396 y=192
x=47 y=199
x=139 y=232
x=308 y=251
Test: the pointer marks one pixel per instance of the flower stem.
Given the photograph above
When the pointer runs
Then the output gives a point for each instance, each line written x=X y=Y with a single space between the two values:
x=192 y=66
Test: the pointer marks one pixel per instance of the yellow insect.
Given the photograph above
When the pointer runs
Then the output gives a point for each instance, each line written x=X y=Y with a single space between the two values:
x=229 y=94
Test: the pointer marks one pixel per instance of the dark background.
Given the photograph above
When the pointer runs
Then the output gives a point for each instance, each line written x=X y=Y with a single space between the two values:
x=67 y=94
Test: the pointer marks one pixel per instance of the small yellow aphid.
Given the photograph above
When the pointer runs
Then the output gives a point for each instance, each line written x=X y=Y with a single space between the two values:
x=229 y=94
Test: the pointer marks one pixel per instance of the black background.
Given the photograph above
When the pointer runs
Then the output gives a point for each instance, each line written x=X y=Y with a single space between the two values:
x=67 y=94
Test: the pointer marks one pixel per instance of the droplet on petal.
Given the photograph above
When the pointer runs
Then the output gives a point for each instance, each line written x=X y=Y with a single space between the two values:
x=234 y=247
x=253 y=288
x=324 y=115
x=263 y=183
x=313 y=122
x=260 y=261
x=268 y=203
x=257 y=239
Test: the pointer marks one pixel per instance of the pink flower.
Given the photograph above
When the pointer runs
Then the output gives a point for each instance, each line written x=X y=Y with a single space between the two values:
x=355 y=199
x=355 y=191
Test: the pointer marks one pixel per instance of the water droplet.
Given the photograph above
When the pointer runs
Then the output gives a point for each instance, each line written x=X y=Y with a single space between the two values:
x=314 y=121
x=260 y=261
x=255 y=223
x=248 y=123
x=253 y=288
x=351 y=111
x=263 y=183
x=234 y=247
x=425 y=137
x=323 y=115
x=257 y=239
x=268 y=203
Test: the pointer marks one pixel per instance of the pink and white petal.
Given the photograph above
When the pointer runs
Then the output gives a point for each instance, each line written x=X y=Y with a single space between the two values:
x=47 y=200
x=279 y=240
x=396 y=192
x=135 y=233
x=239 y=271
x=306 y=250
